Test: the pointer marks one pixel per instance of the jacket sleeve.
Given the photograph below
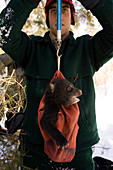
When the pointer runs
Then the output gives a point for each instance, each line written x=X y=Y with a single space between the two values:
x=12 y=40
x=101 y=44
x=88 y=4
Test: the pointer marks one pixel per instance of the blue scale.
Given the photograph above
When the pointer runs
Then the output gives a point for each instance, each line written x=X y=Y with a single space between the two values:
x=59 y=13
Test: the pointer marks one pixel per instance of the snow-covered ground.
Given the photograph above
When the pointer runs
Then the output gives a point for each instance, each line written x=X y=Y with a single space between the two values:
x=104 y=112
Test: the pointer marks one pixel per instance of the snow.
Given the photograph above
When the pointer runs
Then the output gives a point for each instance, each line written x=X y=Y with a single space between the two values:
x=104 y=113
x=2 y=5
x=5 y=30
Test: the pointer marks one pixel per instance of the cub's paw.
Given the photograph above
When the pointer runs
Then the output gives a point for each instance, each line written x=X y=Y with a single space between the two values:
x=62 y=142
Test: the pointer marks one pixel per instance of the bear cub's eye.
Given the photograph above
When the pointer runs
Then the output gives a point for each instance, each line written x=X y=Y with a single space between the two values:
x=69 y=89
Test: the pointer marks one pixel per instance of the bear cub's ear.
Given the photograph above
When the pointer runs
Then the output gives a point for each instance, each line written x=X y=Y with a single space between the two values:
x=52 y=87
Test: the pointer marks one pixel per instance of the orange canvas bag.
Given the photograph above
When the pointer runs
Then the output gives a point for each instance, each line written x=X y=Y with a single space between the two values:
x=67 y=125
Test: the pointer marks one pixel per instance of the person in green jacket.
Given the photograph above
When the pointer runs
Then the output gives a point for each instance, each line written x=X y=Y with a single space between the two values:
x=37 y=55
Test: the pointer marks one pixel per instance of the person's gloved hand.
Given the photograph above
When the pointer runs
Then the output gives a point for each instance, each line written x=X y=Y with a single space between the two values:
x=89 y=4
x=36 y=1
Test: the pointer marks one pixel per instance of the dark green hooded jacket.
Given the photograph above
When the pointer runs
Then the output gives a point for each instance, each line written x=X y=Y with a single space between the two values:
x=37 y=55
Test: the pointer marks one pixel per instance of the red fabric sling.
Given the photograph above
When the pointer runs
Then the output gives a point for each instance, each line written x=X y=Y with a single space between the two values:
x=67 y=125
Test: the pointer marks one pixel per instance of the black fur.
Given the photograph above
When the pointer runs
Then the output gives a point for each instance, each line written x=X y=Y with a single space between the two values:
x=102 y=163
x=59 y=92
x=13 y=123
